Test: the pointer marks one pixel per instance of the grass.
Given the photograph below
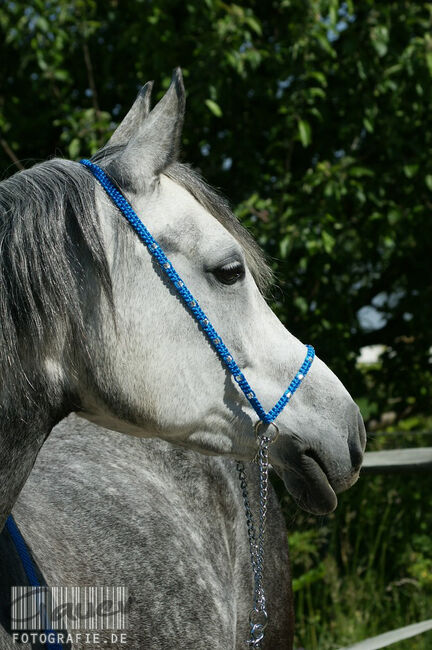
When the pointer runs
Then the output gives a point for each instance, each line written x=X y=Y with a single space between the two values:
x=367 y=568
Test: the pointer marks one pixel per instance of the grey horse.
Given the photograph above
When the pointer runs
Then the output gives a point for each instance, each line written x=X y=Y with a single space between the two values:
x=101 y=508
x=89 y=326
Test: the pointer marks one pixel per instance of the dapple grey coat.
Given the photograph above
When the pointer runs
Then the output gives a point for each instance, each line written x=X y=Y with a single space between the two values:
x=101 y=508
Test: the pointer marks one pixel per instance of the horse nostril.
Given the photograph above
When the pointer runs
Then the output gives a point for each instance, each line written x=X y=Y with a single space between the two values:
x=356 y=444
x=362 y=431
x=356 y=455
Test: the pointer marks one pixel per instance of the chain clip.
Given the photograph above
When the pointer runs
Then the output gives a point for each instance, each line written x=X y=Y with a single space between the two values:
x=258 y=616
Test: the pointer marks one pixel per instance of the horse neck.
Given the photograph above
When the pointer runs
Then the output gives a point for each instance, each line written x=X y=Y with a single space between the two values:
x=24 y=425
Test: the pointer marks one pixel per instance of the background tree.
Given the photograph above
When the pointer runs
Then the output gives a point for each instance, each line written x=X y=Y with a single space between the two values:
x=313 y=117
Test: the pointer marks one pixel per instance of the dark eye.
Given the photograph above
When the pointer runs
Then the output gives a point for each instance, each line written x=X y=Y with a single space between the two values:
x=230 y=273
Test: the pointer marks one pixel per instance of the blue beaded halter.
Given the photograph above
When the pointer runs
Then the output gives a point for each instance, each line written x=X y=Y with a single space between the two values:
x=193 y=306
x=257 y=625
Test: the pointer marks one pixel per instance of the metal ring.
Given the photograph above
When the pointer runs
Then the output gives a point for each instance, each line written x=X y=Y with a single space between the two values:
x=257 y=635
x=258 y=618
x=271 y=437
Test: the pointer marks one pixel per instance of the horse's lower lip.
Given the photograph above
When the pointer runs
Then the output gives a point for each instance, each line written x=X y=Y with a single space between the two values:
x=309 y=486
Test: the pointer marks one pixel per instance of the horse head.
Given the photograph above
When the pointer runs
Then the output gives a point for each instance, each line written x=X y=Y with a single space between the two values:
x=151 y=372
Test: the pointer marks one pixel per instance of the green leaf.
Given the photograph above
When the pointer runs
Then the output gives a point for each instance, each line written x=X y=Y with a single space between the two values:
x=380 y=38
x=304 y=132
x=284 y=247
x=301 y=304
x=328 y=241
x=308 y=578
x=61 y=75
x=410 y=170
x=213 y=107
x=429 y=62
x=368 y=125
x=393 y=216
x=42 y=24
x=316 y=92
x=254 y=24
x=74 y=148
x=319 y=76
x=333 y=15
x=358 y=171
x=428 y=181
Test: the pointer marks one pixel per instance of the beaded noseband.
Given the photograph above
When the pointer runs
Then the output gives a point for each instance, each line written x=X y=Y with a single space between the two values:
x=258 y=615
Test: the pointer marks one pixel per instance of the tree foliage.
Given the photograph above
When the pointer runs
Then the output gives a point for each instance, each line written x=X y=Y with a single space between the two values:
x=312 y=116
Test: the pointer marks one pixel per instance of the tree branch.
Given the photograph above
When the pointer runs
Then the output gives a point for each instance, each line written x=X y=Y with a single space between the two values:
x=11 y=154
x=91 y=79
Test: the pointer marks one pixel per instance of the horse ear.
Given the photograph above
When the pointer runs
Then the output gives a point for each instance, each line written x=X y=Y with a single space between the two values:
x=137 y=114
x=156 y=142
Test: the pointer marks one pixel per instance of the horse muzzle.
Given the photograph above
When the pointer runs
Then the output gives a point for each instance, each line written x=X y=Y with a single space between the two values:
x=316 y=468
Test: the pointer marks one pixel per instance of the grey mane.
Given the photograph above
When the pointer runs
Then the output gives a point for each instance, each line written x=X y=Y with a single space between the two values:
x=48 y=227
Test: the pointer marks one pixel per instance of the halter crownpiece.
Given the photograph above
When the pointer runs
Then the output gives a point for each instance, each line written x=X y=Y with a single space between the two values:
x=265 y=428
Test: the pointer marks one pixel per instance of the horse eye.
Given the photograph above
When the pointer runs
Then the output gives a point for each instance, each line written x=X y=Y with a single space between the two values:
x=230 y=273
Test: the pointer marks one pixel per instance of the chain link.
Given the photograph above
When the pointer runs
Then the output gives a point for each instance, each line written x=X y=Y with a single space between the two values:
x=258 y=617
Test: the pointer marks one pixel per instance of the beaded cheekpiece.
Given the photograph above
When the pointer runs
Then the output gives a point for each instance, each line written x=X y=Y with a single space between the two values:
x=192 y=304
x=258 y=615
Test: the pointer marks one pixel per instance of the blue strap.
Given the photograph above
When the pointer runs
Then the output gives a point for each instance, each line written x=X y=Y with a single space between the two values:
x=192 y=304
x=30 y=570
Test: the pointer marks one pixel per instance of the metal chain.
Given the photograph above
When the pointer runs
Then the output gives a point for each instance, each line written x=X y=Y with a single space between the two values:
x=258 y=617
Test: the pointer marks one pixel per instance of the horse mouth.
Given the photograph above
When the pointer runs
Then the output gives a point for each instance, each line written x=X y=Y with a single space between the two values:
x=308 y=484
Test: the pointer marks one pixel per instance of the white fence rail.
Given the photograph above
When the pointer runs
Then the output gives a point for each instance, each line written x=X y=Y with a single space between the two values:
x=395 y=460
x=389 y=638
